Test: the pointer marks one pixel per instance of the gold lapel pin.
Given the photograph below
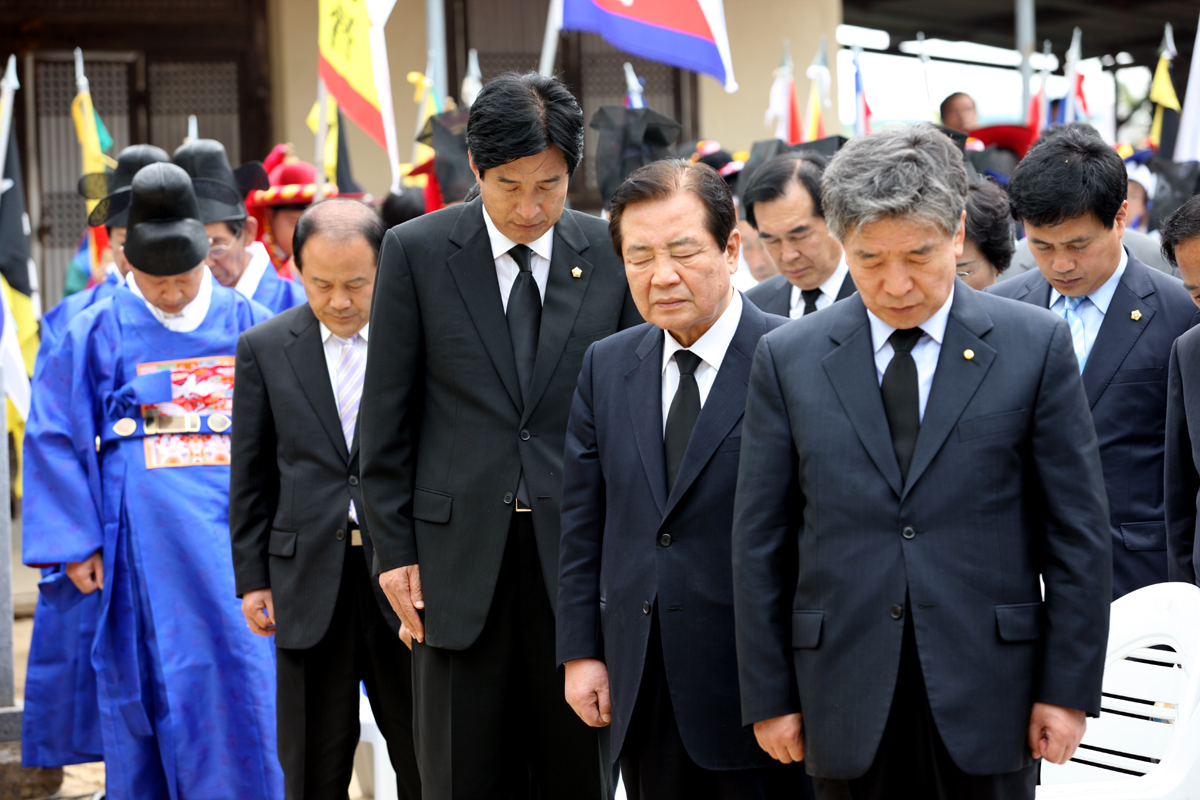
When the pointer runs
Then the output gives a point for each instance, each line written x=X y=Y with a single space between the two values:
x=577 y=273
x=968 y=354
x=1135 y=315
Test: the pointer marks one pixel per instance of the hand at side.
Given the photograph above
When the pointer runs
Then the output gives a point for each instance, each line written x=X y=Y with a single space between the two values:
x=403 y=589
x=782 y=738
x=587 y=690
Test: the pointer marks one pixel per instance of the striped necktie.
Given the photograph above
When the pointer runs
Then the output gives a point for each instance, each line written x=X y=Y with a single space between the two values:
x=350 y=369
x=1075 y=321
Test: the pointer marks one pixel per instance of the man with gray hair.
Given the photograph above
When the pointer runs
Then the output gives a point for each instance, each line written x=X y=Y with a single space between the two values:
x=890 y=526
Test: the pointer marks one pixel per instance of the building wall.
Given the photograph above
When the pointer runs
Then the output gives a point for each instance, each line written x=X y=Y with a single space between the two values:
x=756 y=32
x=293 y=26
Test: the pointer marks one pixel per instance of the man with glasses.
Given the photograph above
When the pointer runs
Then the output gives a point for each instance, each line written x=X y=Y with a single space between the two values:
x=783 y=203
x=236 y=260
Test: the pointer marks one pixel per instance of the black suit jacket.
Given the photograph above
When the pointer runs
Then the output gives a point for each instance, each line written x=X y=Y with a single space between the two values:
x=445 y=434
x=616 y=513
x=292 y=478
x=1126 y=382
x=1005 y=486
x=774 y=295
x=1182 y=474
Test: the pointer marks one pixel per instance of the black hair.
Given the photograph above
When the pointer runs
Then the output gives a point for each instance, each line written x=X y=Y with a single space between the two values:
x=235 y=226
x=662 y=179
x=773 y=179
x=1055 y=130
x=989 y=223
x=473 y=192
x=520 y=115
x=1072 y=172
x=1182 y=226
x=357 y=219
x=400 y=207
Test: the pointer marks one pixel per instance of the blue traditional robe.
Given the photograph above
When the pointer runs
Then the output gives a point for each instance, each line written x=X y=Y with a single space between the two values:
x=56 y=320
x=128 y=445
x=277 y=293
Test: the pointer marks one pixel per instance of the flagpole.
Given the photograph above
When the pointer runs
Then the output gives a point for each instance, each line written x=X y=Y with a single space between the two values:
x=8 y=87
x=550 y=40
x=1026 y=36
x=935 y=116
x=322 y=135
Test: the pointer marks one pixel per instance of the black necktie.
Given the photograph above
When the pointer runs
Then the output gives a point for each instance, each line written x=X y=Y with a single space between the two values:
x=810 y=300
x=524 y=318
x=901 y=397
x=685 y=408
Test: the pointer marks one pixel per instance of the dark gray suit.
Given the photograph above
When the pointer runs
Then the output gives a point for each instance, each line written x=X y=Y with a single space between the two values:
x=446 y=439
x=1183 y=458
x=1126 y=382
x=831 y=553
x=774 y=295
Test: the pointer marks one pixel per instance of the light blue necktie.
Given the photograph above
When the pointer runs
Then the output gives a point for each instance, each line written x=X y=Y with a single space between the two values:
x=350 y=370
x=1078 y=336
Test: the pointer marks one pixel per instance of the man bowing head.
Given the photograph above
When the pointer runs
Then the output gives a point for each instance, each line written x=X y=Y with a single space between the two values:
x=897 y=503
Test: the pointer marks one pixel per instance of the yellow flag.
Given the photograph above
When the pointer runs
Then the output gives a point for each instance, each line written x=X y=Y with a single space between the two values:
x=1162 y=94
x=331 y=137
x=344 y=62
x=94 y=159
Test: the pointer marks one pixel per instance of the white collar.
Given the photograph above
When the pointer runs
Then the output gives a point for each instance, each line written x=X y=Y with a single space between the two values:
x=1104 y=295
x=193 y=313
x=935 y=326
x=111 y=270
x=712 y=346
x=253 y=274
x=501 y=244
x=326 y=333
x=832 y=285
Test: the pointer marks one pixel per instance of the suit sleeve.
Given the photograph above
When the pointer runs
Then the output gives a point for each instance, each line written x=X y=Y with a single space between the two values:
x=583 y=506
x=390 y=411
x=253 y=473
x=1181 y=480
x=764 y=531
x=1077 y=546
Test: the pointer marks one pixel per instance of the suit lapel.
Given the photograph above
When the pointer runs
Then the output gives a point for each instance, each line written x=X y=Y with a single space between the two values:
x=848 y=288
x=307 y=356
x=781 y=299
x=474 y=271
x=643 y=390
x=725 y=405
x=851 y=370
x=1119 y=332
x=956 y=377
x=564 y=296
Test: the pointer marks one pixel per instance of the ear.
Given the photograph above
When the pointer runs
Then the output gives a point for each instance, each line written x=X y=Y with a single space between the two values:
x=474 y=169
x=251 y=229
x=733 y=248
x=1121 y=219
x=961 y=236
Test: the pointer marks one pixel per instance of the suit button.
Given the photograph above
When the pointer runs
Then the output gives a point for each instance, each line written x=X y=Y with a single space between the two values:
x=897 y=612
x=524 y=436
x=354 y=480
x=340 y=535
x=908 y=532
x=508 y=498
x=646 y=607
x=665 y=540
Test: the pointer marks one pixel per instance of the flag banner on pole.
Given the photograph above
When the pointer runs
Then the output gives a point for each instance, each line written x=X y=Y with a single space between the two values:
x=782 y=107
x=1165 y=127
x=689 y=34
x=1187 y=143
x=346 y=61
x=862 y=111
x=819 y=81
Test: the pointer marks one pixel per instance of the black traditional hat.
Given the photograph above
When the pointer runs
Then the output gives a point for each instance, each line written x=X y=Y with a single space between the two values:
x=446 y=133
x=205 y=160
x=827 y=147
x=96 y=185
x=760 y=153
x=630 y=138
x=166 y=233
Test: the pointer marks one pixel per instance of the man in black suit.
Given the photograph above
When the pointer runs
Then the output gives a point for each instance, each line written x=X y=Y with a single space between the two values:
x=1069 y=191
x=912 y=459
x=301 y=547
x=483 y=312
x=783 y=203
x=648 y=545
x=1181 y=246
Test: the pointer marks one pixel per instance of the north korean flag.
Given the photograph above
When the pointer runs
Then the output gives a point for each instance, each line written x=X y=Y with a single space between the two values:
x=689 y=34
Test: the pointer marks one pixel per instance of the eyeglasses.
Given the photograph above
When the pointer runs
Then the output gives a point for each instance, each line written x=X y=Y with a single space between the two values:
x=962 y=268
x=221 y=252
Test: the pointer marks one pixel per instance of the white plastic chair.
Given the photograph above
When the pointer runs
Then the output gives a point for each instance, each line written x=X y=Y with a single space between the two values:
x=384 y=777
x=1146 y=742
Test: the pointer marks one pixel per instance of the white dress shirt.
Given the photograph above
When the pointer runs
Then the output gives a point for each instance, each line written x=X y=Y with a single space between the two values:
x=333 y=352
x=193 y=313
x=710 y=347
x=1094 y=306
x=925 y=352
x=252 y=276
x=829 y=291
x=506 y=267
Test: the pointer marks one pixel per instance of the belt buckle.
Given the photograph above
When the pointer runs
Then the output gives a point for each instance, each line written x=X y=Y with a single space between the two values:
x=355 y=537
x=521 y=507
x=172 y=423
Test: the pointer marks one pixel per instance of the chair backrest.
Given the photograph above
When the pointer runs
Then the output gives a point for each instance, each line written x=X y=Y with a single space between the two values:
x=1150 y=696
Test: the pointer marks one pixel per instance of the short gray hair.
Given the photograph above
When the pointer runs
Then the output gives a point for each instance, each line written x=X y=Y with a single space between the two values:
x=914 y=172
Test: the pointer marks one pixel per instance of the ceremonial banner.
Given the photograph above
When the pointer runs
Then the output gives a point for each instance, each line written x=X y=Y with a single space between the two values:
x=1166 y=102
x=819 y=82
x=782 y=107
x=689 y=34
x=862 y=111
x=1187 y=144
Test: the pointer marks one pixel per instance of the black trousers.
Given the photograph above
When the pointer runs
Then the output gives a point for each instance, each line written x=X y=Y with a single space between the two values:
x=912 y=760
x=492 y=721
x=317 y=696
x=656 y=766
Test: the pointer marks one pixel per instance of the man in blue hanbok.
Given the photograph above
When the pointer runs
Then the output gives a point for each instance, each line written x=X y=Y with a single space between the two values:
x=237 y=261
x=128 y=448
x=61 y=724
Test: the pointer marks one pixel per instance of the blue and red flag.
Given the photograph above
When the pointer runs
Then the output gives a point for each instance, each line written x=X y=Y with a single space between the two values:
x=689 y=34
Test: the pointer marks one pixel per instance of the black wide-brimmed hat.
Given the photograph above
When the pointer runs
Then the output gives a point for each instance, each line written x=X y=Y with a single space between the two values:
x=205 y=160
x=97 y=185
x=629 y=138
x=446 y=133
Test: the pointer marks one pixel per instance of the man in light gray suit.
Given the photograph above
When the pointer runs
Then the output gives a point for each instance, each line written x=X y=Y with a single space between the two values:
x=914 y=458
